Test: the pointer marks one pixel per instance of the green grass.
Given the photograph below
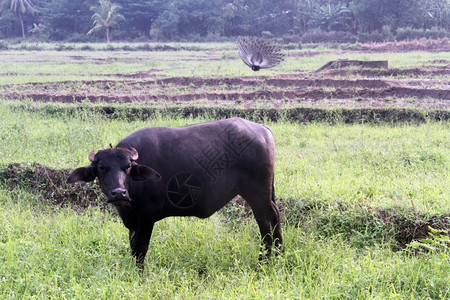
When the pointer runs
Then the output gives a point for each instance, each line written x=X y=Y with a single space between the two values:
x=51 y=252
x=46 y=252
x=379 y=165
x=382 y=165
x=214 y=60
x=332 y=180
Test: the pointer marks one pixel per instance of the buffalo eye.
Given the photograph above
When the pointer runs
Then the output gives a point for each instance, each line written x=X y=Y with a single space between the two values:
x=101 y=168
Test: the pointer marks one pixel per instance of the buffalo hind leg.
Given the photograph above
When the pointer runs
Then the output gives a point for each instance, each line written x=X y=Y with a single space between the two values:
x=267 y=216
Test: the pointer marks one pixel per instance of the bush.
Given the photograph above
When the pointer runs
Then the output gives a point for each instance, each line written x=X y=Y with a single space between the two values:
x=144 y=47
x=267 y=34
x=30 y=47
x=63 y=47
x=290 y=39
x=3 y=45
x=86 y=48
x=292 y=46
x=376 y=36
x=79 y=38
x=408 y=33
x=348 y=46
x=318 y=36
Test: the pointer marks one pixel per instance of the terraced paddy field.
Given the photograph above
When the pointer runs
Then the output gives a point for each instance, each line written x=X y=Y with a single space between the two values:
x=362 y=174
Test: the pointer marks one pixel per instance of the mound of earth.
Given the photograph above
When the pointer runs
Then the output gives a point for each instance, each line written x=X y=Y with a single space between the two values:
x=50 y=184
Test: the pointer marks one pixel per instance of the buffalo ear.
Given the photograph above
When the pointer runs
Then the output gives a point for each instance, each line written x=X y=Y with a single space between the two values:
x=82 y=174
x=141 y=173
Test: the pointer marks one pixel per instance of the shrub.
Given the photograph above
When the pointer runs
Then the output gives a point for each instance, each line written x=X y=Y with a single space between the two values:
x=3 y=45
x=439 y=240
x=318 y=36
x=62 y=47
x=376 y=36
x=79 y=38
x=293 y=46
x=290 y=39
x=267 y=34
x=408 y=33
x=86 y=48
x=356 y=46
x=144 y=47
x=30 y=47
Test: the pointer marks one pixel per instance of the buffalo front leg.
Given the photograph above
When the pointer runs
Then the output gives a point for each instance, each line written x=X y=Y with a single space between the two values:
x=139 y=241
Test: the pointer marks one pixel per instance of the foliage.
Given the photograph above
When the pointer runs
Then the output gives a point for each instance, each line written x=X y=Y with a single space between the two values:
x=64 y=18
x=105 y=17
x=384 y=35
x=409 y=33
x=333 y=18
x=319 y=36
x=374 y=14
x=140 y=16
x=205 y=20
x=20 y=8
x=439 y=240
x=437 y=14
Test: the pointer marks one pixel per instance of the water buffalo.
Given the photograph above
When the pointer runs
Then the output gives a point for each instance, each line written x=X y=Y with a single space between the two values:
x=193 y=170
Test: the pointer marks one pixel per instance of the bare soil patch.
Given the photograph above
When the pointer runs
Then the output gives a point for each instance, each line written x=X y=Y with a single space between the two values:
x=275 y=92
x=429 y=71
x=346 y=63
x=344 y=87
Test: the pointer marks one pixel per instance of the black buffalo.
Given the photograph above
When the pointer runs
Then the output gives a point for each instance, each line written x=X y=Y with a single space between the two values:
x=194 y=170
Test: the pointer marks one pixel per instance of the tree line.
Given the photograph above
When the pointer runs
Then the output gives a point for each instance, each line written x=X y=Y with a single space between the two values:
x=202 y=20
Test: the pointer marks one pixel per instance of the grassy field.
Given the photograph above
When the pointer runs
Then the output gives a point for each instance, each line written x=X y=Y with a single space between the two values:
x=353 y=197
x=77 y=65
x=61 y=252
x=382 y=165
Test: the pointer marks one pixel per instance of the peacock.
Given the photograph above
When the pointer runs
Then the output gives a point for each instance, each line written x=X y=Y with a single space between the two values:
x=258 y=53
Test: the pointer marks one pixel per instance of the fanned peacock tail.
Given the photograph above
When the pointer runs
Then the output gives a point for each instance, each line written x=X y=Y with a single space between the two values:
x=258 y=53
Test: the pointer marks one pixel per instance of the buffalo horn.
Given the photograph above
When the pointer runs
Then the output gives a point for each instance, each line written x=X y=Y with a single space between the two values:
x=92 y=155
x=134 y=154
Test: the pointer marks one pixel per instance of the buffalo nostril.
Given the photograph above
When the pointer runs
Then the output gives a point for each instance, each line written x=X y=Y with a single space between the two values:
x=118 y=192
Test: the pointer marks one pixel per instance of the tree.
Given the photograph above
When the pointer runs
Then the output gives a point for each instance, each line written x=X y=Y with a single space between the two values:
x=437 y=13
x=190 y=19
x=234 y=17
x=199 y=17
x=374 y=14
x=64 y=18
x=332 y=17
x=19 y=7
x=273 y=17
x=105 y=16
x=140 y=15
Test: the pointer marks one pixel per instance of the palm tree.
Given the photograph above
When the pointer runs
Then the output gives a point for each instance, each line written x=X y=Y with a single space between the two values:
x=332 y=17
x=20 y=7
x=105 y=17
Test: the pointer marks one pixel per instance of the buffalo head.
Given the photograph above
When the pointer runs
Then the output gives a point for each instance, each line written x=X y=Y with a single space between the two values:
x=115 y=169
